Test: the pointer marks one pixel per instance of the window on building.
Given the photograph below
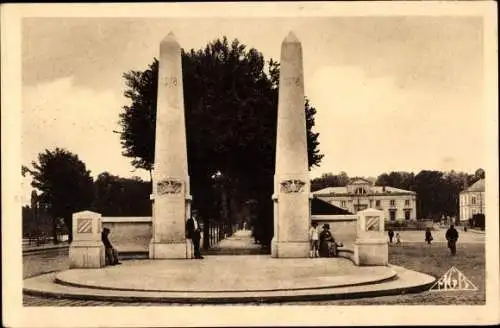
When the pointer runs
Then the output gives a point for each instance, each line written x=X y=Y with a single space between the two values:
x=473 y=200
x=377 y=203
x=393 y=202
x=360 y=191
x=407 y=202
x=392 y=215
x=407 y=215
x=342 y=203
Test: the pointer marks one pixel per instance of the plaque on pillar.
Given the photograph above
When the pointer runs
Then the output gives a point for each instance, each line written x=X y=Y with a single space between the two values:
x=370 y=247
x=86 y=250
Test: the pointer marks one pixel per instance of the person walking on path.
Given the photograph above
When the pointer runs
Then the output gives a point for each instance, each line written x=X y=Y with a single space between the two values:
x=398 y=239
x=193 y=232
x=428 y=236
x=314 y=240
x=452 y=238
x=110 y=251
x=391 y=235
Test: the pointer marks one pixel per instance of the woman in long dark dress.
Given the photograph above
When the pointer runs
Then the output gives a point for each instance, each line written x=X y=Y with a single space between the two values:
x=327 y=245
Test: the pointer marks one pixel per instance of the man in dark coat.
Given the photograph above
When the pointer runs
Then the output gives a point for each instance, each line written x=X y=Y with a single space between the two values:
x=391 y=235
x=452 y=237
x=193 y=232
x=111 y=253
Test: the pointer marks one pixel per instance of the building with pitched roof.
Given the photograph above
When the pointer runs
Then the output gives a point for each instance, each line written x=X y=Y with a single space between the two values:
x=472 y=200
x=397 y=204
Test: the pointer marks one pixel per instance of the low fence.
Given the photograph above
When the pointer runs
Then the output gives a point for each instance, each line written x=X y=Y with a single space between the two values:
x=410 y=225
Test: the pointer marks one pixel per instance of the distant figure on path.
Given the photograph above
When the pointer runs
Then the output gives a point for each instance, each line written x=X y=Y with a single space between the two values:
x=452 y=237
x=327 y=245
x=314 y=240
x=428 y=236
x=398 y=239
x=111 y=253
x=193 y=232
x=391 y=235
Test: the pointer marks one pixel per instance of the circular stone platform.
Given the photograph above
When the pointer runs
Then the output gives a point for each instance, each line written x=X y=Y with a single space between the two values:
x=226 y=274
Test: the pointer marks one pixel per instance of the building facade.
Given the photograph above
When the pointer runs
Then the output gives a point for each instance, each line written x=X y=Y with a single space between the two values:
x=397 y=204
x=472 y=201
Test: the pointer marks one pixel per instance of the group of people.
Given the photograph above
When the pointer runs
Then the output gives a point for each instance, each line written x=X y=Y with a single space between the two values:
x=451 y=237
x=322 y=243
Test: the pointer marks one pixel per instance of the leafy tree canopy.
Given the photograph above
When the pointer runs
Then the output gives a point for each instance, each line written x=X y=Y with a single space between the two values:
x=64 y=183
x=231 y=119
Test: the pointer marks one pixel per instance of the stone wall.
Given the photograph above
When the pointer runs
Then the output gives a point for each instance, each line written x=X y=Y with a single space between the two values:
x=129 y=234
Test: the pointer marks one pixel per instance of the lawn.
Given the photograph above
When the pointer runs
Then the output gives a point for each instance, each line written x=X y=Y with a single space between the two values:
x=434 y=260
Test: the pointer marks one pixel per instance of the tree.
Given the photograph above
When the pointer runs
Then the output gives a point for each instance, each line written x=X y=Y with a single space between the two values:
x=401 y=180
x=231 y=112
x=65 y=185
x=116 y=196
x=479 y=174
x=330 y=180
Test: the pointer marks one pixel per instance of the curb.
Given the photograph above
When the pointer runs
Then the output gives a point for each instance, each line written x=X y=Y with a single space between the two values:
x=42 y=249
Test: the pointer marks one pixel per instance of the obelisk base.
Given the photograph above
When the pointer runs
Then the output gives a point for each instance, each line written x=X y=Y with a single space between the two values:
x=161 y=250
x=290 y=249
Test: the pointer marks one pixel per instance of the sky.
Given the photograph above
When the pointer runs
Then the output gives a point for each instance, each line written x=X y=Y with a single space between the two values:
x=397 y=93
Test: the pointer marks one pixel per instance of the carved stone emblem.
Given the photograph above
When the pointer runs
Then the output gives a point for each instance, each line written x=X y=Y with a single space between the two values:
x=84 y=226
x=372 y=223
x=170 y=81
x=169 y=187
x=289 y=186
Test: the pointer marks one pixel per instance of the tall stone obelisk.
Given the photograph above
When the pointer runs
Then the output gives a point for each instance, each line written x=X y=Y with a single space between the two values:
x=171 y=198
x=291 y=179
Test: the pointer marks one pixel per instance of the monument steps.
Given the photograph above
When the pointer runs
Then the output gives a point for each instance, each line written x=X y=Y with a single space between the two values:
x=401 y=281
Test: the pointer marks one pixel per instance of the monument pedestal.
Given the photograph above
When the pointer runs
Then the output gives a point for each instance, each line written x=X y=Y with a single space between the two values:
x=161 y=250
x=371 y=252
x=370 y=247
x=83 y=254
x=290 y=249
x=86 y=250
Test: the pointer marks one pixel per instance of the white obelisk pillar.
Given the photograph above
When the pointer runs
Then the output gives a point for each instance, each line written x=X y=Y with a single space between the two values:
x=170 y=176
x=291 y=178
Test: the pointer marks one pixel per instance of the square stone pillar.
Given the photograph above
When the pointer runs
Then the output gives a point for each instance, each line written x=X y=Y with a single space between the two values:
x=292 y=213
x=86 y=250
x=370 y=247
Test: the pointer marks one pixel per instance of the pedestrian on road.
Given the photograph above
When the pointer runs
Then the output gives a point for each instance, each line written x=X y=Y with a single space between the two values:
x=110 y=251
x=314 y=240
x=428 y=236
x=391 y=235
x=398 y=239
x=452 y=238
x=193 y=232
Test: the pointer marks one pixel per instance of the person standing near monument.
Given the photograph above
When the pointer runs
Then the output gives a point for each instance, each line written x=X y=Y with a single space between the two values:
x=314 y=240
x=452 y=238
x=193 y=232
